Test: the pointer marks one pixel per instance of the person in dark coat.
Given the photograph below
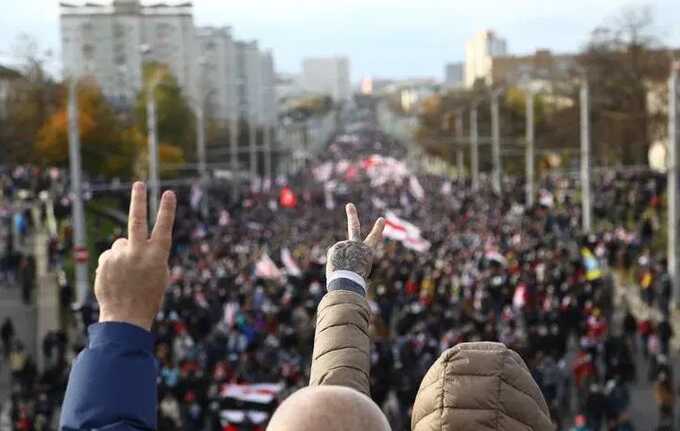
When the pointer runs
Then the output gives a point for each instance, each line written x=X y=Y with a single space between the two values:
x=7 y=336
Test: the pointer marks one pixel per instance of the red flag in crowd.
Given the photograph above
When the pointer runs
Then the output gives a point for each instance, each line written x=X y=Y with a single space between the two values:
x=287 y=198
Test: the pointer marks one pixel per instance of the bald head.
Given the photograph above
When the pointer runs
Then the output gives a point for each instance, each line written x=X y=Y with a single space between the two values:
x=328 y=408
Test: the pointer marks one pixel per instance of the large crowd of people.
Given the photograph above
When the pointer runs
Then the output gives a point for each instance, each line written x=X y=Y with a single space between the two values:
x=235 y=332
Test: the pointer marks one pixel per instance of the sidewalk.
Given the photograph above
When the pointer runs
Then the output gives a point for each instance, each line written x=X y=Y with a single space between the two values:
x=631 y=295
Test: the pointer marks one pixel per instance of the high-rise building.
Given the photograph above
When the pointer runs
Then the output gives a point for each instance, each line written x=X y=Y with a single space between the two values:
x=217 y=77
x=269 y=106
x=479 y=52
x=249 y=78
x=329 y=76
x=453 y=75
x=106 y=41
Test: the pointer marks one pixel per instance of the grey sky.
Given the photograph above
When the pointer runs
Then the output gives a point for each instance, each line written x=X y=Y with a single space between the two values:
x=385 y=38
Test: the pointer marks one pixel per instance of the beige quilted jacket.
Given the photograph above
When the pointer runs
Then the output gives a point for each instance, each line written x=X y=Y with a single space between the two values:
x=471 y=387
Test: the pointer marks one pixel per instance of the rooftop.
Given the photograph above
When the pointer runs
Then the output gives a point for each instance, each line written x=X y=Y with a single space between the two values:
x=126 y=7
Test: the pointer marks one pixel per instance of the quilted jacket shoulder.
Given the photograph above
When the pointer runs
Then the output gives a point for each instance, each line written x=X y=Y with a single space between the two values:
x=480 y=387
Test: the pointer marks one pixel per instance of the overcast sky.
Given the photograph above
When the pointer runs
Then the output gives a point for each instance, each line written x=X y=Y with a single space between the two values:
x=383 y=38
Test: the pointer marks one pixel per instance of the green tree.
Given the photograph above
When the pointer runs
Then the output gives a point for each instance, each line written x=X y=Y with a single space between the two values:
x=176 y=121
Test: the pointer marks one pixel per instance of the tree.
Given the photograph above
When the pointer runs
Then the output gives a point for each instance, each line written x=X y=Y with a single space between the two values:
x=438 y=115
x=176 y=122
x=34 y=97
x=621 y=61
x=105 y=149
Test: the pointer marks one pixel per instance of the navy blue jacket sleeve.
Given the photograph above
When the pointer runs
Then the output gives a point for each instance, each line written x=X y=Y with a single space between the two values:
x=112 y=385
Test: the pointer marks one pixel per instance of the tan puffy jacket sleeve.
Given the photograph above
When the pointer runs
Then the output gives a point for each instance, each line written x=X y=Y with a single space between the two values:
x=342 y=343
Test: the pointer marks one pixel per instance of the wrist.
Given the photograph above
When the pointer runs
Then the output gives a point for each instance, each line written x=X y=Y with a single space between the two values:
x=346 y=280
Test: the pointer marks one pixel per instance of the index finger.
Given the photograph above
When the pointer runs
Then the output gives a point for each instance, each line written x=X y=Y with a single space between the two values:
x=353 y=226
x=162 y=231
x=138 y=225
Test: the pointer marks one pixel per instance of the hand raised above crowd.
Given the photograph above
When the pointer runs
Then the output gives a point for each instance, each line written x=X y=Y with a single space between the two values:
x=353 y=254
x=132 y=276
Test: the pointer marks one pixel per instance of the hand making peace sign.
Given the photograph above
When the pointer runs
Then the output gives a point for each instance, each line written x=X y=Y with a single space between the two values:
x=133 y=274
x=354 y=255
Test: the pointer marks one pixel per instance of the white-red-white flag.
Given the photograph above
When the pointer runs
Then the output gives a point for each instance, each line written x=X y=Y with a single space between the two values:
x=405 y=232
x=292 y=268
x=267 y=269
x=261 y=393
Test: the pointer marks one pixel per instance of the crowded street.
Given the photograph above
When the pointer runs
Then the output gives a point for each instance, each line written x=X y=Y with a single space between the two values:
x=235 y=331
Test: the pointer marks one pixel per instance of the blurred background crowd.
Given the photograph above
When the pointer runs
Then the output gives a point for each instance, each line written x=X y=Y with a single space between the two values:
x=236 y=330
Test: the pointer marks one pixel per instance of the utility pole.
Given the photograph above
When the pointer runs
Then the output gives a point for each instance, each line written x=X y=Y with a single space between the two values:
x=252 y=140
x=530 y=157
x=268 y=153
x=200 y=142
x=79 y=234
x=233 y=149
x=585 y=158
x=673 y=207
x=460 y=155
x=154 y=183
x=496 y=143
x=200 y=138
x=474 y=148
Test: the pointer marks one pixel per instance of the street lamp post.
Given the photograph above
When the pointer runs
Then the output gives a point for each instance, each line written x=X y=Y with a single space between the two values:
x=152 y=126
x=78 y=213
x=585 y=157
x=474 y=148
x=673 y=204
x=460 y=155
x=252 y=144
x=496 y=143
x=200 y=138
x=154 y=183
x=530 y=157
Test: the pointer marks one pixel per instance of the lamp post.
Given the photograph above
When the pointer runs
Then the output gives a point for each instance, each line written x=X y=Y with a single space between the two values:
x=585 y=157
x=673 y=204
x=530 y=149
x=78 y=213
x=496 y=143
x=152 y=126
x=200 y=136
x=474 y=148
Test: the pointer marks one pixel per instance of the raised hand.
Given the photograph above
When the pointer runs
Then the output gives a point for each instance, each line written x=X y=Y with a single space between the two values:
x=353 y=254
x=132 y=276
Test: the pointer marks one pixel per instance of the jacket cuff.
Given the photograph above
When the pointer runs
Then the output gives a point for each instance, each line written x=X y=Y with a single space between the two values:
x=123 y=334
x=346 y=280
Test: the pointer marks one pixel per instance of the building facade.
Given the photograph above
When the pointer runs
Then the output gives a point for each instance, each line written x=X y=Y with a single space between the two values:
x=330 y=76
x=269 y=97
x=217 y=77
x=453 y=75
x=479 y=52
x=111 y=43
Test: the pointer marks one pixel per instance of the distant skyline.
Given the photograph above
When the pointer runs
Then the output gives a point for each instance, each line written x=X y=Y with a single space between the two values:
x=382 y=38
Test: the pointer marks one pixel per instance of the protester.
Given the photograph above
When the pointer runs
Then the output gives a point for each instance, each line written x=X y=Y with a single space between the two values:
x=458 y=266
